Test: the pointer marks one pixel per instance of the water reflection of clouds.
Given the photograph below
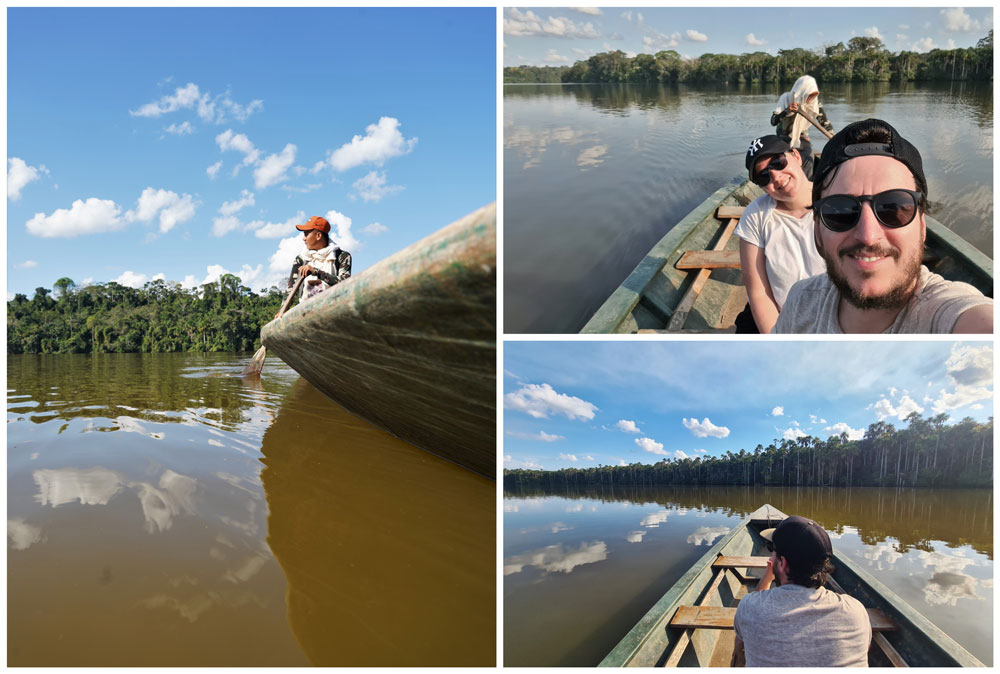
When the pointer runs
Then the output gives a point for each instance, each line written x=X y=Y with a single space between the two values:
x=653 y=520
x=559 y=558
x=173 y=496
x=845 y=531
x=23 y=535
x=946 y=588
x=532 y=143
x=875 y=553
x=636 y=536
x=592 y=156
x=707 y=535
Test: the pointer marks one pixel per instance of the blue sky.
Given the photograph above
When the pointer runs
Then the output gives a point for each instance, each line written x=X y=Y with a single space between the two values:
x=563 y=35
x=181 y=143
x=586 y=403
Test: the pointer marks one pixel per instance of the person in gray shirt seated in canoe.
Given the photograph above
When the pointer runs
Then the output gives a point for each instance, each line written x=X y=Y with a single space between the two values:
x=800 y=623
x=869 y=197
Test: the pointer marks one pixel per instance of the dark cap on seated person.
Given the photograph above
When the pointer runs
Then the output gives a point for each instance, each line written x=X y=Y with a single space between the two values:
x=843 y=146
x=315 y=222
x=765 y=146
x=801 y=541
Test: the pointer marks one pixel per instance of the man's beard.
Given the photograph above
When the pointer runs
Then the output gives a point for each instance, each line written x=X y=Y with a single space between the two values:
x=896 y=297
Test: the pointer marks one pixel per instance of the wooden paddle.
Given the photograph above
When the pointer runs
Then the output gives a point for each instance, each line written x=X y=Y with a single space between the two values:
x=256 y=363
x=812 y=120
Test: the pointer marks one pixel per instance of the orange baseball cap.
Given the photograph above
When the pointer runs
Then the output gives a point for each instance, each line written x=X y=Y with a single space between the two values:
x=315 y=222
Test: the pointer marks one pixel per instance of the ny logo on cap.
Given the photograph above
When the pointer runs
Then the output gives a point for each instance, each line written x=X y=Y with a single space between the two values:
x=754 y=146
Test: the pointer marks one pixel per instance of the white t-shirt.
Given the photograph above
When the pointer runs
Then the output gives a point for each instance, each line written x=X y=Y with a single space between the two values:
x=796 y=626
x=934 y=308
x=789 y=248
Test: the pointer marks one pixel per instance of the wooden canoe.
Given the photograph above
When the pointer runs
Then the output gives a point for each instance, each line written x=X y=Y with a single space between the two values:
x=685 y=627
x=409 y=344
x=704 y=292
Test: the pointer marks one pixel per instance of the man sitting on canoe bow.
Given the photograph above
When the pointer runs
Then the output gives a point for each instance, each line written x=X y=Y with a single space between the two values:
x=800 y=623
x=868 y=202
x=322 y=259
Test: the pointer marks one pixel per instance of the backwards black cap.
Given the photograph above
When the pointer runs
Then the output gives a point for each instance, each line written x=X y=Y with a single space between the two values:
x=858 y=140
x=801 y=541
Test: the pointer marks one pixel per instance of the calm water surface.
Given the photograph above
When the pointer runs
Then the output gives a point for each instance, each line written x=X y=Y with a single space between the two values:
x=580 y=569
x=594 y=174
x=163 y=511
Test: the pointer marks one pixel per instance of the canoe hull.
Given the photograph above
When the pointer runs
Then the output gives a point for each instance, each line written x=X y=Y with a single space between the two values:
x=410 y=343
x=651 y=641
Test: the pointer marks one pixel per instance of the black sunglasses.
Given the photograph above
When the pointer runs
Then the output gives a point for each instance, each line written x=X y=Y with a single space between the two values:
x=764 y=177
x=892 y=208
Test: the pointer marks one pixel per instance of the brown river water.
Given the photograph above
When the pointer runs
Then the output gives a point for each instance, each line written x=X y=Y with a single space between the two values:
x=162 y=510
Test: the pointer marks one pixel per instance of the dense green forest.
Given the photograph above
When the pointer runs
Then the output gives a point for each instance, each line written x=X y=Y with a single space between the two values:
x=927 y=453
x=862 y=59
x=159 y=317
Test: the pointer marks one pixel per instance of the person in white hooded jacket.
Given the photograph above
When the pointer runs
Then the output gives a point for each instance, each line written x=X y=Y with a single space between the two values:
x=793 y=128
x=322 y=260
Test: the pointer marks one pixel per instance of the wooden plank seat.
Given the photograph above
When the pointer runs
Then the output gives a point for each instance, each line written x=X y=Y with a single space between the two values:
x=721 y=618
x=709 y=259
x=734 y=562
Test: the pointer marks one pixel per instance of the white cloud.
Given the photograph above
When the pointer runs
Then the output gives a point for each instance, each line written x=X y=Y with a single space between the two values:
x=340 y=230
x=852 y=433
x=375 y=229
x=970 y=365
x=635 y=536
x=135 y=280
x=381 y=142
x=568 y=457
x=526 y=24
x=92 y=216
x=209 y=109
x=554 y=558
x=700 y=451
x=273 y=169
x=754 y=42
x=23 y=535
x=695 y=36
x=778 y=411
x=650 y=445
x=541 y=435
x=589 y=458
x=706 y=535
x=182 y=129
x=20 y=174
x=705 y=428
x=593 y=11
x=793 y=433
x=816 y=420
x=621 y=462
x=873 y=32
x=627 y=426
x=540 y=401
x=228 y=140
x=274 y=230
x=657 y=41
x=885 y=409
x=233 y=207
x=171 y=207
x=923 y=45
x=957 y=21
x=372 y=187
x=553 y=56
x=183 y=97
x=225 y=224
x=27 y=264
x=679 y=454
x=213 y=170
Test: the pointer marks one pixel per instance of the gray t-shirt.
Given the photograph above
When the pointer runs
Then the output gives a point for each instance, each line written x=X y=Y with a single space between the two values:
x=811 y=307
x=796 y=626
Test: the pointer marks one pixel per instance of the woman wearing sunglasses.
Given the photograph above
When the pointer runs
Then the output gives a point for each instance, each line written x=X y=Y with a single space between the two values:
x=869 y=199
x=777 y=247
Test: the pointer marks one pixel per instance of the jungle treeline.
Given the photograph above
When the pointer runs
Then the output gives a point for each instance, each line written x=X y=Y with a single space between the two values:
x=927 y=453
x=159 y=317
x=862 y=59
